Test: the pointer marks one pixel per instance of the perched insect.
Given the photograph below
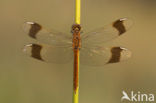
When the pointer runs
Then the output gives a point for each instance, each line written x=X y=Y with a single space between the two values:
x=60 y=48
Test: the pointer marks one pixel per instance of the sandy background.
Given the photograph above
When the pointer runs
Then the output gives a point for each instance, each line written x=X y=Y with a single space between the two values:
x=25 y=80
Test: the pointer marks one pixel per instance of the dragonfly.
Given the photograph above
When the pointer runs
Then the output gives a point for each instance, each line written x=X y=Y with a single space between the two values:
x=58 y=47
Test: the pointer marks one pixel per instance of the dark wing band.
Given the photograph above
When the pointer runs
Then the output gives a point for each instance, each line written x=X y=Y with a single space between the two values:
x=119 y=25
x=34 y=29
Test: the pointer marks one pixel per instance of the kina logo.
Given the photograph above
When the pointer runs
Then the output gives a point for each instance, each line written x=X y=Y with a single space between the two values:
x=137 y=97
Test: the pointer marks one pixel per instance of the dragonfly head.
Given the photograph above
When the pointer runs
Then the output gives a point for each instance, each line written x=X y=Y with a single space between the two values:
x=76 y=28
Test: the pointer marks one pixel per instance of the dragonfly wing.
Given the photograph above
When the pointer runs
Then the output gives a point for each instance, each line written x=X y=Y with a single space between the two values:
x=36 y=31
x=106 y=33
x=101 y=56
x=48 y=53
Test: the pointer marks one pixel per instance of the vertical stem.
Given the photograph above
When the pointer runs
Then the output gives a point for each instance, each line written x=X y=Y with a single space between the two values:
x=77 y=11
x=76 y=77
x=76 y=57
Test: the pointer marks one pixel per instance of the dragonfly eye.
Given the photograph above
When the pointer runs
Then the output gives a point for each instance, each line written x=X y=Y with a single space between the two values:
x=76 y=27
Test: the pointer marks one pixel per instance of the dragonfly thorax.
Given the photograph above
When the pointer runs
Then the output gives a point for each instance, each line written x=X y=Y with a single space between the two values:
x=76 y=36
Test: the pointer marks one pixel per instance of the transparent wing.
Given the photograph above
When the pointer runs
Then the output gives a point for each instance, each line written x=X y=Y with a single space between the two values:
x=36 y=31
x=49 y=53
x=106 y=33
x=101 y=56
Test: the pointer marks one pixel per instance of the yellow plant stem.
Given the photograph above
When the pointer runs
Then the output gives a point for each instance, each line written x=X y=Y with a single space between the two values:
x=77 y=11
x=76 y=96
x=76 y=77
x=76 y=57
